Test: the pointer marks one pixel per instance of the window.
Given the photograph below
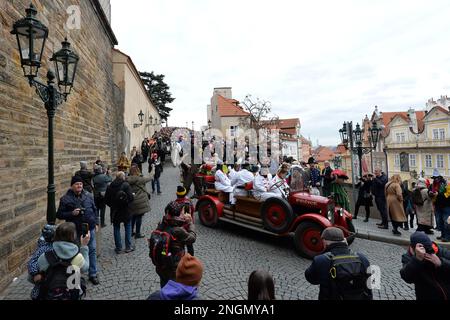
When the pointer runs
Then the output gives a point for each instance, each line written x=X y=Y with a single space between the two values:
x=440 y=161
x=233 y=130
x=412 y=160
x=397 y=160
x=428 y=161
x=438 y=134
x=400 y=137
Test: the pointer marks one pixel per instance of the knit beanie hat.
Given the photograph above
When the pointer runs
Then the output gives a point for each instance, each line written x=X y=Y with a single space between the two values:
x=189 y=271
x=75 y=179
x=333 y=234
x=421 y=237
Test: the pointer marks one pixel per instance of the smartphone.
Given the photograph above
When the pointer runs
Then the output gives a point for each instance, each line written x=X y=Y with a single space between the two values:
x=84 y=229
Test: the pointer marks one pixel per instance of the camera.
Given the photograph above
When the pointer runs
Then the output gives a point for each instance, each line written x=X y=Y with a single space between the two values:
x=82 y=211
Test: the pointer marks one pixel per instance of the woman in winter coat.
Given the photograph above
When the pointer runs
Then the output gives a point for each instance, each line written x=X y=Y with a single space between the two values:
x=424 y=208
x=141 y=203
x=394 y=201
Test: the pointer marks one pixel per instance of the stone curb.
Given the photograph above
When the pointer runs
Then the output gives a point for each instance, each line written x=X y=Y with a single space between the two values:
x=392 y=240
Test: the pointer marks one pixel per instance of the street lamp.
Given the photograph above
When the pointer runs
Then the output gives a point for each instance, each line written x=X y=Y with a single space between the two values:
x=31 y=36
x=141 y=120
x=209 y=124
x=352 y=139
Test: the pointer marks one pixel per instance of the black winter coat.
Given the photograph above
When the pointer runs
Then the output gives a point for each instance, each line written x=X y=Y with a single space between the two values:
x=365 y=189
x=430 y=283
x=319 y=271
x=378 y=186
x=69 y=202
x=119 y=214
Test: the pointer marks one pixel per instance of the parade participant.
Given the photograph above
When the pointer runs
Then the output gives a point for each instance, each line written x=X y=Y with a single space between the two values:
x=222 y=182
x=86 y=175
x=326 y=179
x=101 y=182
x=394 y=198
x=278 y=187
x=338 y=191
x=45 y=244
x=340 y=274
x=261 y=286
x=314 y=177
x=144 y=150
x=183 y=201
x=427 y=266
x=244 y=176
x=261 y=185
x=124 y=164
x=187 y=280
x=78 y=206
x=181 y=231
x=233 y=175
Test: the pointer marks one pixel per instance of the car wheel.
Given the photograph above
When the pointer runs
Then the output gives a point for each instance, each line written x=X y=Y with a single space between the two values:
x=307 y=239
x=277 y=215
x=207 y=212
x=352 y=229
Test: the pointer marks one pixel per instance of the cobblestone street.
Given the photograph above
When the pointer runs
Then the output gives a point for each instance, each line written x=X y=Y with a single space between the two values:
x=229 y=254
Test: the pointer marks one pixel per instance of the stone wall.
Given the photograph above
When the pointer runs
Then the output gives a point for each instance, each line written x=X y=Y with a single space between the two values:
x=85 y=125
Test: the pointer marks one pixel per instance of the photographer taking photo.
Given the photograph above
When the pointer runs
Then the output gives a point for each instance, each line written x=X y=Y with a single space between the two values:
x=78 y=206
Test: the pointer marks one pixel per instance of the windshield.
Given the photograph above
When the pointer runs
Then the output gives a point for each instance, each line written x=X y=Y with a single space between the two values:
x=296 y=180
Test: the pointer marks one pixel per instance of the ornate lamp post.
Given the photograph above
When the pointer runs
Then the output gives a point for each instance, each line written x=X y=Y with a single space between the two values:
x=31 y=36
x=352 y=139
x=209 y=124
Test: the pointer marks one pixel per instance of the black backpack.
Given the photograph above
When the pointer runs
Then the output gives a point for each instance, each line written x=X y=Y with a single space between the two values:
x=160 y=245
x=417 y=198
x=54 y=286
x=348 y=278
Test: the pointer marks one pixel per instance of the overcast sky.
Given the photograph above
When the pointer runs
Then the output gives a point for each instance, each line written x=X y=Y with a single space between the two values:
x=321 y=61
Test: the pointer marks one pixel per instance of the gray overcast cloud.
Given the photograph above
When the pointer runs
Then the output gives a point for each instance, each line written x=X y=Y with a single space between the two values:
x=322 y=61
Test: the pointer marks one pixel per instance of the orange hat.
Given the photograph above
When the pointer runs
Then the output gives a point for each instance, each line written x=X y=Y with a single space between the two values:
x=189 y=271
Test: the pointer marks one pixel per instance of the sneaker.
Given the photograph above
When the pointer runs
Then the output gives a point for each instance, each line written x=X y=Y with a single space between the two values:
x=396 y=232
x=139 y=236
x=129 y=250
x=94 y=280
x=383 y=227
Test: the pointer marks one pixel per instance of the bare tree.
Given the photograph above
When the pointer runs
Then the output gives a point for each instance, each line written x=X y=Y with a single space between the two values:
x=260 y=116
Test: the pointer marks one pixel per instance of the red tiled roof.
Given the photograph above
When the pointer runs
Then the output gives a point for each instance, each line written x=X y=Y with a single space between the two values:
x=322 y=154
x=289 y=123
x=230 y=108
x=388 y=116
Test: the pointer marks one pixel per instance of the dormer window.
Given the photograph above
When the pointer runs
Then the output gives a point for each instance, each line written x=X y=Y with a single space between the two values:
x=439 y=134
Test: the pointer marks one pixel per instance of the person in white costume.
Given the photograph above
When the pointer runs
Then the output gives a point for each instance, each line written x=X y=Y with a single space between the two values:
x=278 y=186
x=222 y=182
x=244 y=176
x=261 y=185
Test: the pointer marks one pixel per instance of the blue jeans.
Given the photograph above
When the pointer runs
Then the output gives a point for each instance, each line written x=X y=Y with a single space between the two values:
x=92 y=245
x=118 y=238
x=136 y=221
x=156 y=181
x=439 y=216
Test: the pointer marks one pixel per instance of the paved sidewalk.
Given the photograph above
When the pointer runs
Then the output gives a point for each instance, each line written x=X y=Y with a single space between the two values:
x=370 y=231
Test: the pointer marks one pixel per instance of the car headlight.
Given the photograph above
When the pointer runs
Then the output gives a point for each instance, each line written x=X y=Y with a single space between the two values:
x=341 y=212
x=330 y=215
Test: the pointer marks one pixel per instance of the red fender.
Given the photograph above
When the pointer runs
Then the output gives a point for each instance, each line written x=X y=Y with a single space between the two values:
x=314 y=217
x=217 y=203
x=341 y=222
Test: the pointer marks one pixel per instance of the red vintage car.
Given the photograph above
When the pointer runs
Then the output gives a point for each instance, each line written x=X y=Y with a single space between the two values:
x=300 y=213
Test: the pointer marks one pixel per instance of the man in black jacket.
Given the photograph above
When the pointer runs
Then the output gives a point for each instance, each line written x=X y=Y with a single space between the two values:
x=78 y=206
x=117 y=190
x=427 y=266
x=86 y=175
x=378 y=185
x=321 y=270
